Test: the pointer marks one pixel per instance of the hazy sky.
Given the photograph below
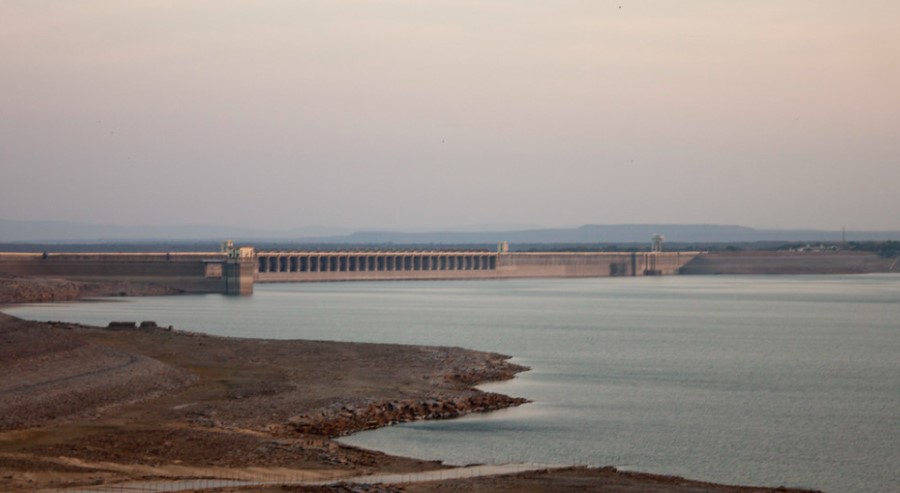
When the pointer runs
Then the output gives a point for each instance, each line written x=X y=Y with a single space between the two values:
x=406 y=114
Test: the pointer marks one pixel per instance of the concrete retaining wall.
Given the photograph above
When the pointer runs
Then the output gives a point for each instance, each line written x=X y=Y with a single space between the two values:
x=591 y=264
x=564 y=264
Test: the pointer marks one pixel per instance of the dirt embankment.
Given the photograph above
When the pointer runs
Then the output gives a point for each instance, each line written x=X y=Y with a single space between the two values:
x=51 y=376
x=795 y=263
x=100 y=405
x=15 y=289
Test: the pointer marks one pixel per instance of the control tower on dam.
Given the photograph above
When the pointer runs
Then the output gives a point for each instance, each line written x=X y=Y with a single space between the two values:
x=300 y=266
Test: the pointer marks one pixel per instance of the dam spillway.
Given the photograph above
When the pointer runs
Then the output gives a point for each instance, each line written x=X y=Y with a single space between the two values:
x=375 y=265
x=300 y=266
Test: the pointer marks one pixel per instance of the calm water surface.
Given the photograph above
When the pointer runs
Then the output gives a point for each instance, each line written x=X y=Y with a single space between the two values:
x=755 y=380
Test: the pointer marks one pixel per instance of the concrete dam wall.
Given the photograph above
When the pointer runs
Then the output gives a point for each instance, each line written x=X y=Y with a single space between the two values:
x=296 y=266
x=235 y=272
x=189 y=272
x=591 y=264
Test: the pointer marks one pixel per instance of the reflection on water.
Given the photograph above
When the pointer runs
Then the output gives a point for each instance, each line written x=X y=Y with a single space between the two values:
x=758 y=380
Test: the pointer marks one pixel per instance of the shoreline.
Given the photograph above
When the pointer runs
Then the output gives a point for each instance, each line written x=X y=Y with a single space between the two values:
x=254 y=407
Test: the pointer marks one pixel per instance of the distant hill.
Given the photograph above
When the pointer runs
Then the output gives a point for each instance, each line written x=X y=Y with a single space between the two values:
x=621 y=233
x=65 y=232
x=69 y=232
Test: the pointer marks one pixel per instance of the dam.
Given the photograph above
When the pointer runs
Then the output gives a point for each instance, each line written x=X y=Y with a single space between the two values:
x=236 y=270
x=299 y=266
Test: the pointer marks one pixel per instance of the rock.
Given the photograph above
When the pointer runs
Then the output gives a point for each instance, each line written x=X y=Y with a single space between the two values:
x=121 y=325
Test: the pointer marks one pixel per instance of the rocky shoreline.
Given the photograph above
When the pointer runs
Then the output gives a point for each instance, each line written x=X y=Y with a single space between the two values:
x=349 y=419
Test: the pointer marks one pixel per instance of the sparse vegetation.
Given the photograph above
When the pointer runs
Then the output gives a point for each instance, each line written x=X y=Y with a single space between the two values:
x=886 y=249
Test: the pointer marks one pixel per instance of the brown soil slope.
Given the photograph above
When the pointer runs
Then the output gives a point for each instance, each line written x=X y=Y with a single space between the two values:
x=50 y=375
x=93 y=404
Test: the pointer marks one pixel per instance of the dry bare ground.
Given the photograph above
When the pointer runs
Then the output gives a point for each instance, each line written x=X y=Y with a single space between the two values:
x=83 y=402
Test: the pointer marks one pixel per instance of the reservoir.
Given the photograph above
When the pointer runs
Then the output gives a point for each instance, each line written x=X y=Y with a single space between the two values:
x=783 y=380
